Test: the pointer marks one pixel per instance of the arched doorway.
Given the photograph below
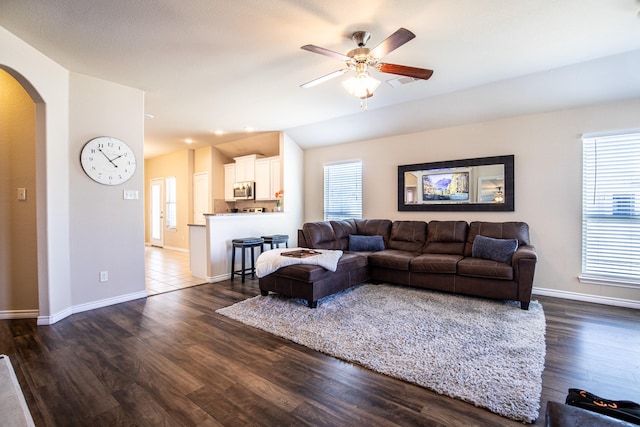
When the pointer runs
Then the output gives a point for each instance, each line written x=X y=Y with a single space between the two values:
x=18 y=207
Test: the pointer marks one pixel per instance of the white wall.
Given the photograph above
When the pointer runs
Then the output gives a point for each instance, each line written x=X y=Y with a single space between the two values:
x=80 y=224
x=548 y=180
x=107 y=232
x=292 y=173
x=48 y=85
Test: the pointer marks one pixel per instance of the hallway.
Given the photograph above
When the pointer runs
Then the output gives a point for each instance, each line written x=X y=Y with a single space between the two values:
x=167 y=270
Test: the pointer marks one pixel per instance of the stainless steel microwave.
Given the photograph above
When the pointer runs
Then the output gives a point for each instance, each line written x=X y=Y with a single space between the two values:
x=244 y=190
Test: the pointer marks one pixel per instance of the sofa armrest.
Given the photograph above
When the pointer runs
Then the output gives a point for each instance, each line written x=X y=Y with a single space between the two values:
x=524 y=252
x=524 y=264
x=302 y=241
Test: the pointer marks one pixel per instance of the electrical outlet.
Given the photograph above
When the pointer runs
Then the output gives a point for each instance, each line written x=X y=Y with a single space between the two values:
x=104 y=276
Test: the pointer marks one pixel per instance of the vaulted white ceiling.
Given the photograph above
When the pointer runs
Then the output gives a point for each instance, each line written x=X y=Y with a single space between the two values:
x=209 y=64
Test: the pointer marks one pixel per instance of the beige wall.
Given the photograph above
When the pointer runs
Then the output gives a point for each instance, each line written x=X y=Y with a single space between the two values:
x=548 y=181
x=106 y=230
x=18 y=245
x=181 y=165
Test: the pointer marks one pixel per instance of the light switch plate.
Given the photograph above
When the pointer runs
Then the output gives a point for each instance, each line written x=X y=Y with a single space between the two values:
x=130 y=194
x=22 y=194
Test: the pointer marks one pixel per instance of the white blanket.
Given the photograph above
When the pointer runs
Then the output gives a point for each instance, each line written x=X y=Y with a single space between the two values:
x=271 y=260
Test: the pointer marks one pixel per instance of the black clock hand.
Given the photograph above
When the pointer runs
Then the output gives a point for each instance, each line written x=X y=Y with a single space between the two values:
x=111 y=161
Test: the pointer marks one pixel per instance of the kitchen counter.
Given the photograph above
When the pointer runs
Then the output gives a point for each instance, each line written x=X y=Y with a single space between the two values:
x=210 y=246
x=244 y=213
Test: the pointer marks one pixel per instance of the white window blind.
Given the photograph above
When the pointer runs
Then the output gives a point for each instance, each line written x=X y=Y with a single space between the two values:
x=610 y=211
x=170 y=184
x=343 y=191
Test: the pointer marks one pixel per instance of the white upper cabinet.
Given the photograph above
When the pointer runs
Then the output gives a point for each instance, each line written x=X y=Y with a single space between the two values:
x=267 y=173
x=245 y=168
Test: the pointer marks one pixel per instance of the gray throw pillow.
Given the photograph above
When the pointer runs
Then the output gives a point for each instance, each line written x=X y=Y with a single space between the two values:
x=500 y=250
x=358 y=242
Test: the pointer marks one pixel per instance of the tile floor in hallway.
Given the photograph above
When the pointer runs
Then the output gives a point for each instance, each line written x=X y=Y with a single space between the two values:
x=167 y=270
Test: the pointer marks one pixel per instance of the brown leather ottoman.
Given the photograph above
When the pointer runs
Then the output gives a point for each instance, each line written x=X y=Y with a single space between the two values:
x=561 y=415
x=312 y=282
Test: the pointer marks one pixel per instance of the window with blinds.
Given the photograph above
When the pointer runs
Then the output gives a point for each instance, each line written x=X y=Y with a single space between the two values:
x=343 y=191
x=610 y=210
x=171 y=203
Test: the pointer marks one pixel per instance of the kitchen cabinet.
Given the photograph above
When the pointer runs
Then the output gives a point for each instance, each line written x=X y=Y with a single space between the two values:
x=267 y=174
x=245 y=168
x=229 y=180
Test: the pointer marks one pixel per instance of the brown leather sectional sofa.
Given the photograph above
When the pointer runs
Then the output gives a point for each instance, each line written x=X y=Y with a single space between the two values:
x=435 y=255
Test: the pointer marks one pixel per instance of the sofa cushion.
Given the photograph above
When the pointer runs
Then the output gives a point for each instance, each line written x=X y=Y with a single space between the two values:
x=500 y=250
x=342 y=230
x=374 y=227
x=392 y=258
x=497 y=230
x=446 y=237
x=485 y=268
x=365 y=243
x=320 y=235
x=409 y=236
x=435 y=263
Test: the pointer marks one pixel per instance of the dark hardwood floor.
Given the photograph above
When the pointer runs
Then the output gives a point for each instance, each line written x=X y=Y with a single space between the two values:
x=170 y=360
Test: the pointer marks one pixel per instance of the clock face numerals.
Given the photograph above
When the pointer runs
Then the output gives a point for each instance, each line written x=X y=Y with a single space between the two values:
x=108 y=160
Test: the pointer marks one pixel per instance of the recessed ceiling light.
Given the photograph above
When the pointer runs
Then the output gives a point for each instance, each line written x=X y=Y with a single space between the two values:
x=149 y=116
x=188 y=140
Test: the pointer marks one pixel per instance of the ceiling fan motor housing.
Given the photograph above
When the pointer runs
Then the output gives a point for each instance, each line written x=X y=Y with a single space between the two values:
x=361 y=38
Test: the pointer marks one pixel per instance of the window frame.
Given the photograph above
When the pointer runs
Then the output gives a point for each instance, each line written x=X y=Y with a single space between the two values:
x=341 y=171
x=171 y=203
x=610 y=209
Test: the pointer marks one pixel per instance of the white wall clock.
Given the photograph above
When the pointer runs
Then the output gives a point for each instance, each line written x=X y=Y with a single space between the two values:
x=108 y=160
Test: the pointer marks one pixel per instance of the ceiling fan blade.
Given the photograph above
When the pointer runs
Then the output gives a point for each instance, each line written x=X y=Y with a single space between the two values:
x=392 y=42
x=403 y=70
x=325 y=52
x=324 y=78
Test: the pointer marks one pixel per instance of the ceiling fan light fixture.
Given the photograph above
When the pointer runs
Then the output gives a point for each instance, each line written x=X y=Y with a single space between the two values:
x=362 y=85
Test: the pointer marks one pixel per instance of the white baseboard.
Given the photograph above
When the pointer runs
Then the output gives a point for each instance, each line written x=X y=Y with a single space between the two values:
x=50 y=320
x=171 y=248
x=218 y=278
x=618 y=302
x=18 y=314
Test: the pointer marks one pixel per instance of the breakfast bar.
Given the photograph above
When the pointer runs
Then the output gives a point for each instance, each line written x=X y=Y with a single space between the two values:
x=212 y=246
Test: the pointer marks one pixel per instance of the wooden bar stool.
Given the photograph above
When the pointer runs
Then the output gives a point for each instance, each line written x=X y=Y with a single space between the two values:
x=244 y=244
x=276 y=240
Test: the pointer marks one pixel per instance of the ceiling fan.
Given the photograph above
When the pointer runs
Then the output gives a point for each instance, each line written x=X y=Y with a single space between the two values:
x=362 y=59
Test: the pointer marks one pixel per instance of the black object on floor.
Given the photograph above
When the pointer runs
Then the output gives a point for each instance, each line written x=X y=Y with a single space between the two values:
x=621 y=409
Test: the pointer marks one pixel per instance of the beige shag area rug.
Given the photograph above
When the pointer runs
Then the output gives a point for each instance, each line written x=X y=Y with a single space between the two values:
x=488 y=353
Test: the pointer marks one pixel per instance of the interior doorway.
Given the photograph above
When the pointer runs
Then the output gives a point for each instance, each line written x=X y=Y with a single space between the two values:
x=19 y=268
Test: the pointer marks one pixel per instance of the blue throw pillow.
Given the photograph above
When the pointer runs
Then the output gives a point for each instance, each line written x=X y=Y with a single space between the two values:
x=365 y=243
x=500 y=250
